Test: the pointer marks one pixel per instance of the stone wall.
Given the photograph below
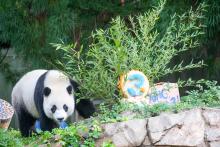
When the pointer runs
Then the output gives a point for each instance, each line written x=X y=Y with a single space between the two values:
x=198 y=127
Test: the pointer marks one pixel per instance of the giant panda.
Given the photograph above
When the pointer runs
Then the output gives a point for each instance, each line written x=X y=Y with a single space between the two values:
x=49 y=97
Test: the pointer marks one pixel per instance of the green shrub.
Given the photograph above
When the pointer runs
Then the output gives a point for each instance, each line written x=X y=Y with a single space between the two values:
x=81 y=134
x=206 y=95
x=134 y=44
x=10 y=139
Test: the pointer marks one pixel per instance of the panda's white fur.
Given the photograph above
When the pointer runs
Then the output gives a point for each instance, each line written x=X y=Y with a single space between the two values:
x=31 y=102
x=22 y=96
x=59 y=96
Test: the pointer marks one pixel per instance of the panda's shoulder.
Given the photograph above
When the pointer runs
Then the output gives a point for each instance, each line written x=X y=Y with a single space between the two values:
x=29 y=77
x=34 y=73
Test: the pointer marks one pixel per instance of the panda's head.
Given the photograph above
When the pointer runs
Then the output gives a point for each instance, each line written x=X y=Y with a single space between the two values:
x=58 y=98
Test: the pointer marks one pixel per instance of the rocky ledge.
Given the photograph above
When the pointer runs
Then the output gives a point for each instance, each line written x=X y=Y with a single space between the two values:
x=198 y=127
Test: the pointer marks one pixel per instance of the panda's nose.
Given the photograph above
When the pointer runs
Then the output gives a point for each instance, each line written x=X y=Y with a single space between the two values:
x=60 y=119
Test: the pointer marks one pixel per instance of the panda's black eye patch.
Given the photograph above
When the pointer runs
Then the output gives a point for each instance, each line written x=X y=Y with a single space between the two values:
x=53 y=109
x=47 y=91
x=65 y=107
x=69 y=89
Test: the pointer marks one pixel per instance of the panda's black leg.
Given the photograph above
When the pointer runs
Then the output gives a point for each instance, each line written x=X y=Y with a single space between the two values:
x=85 y=108
x=46 y=123
x=26 y=121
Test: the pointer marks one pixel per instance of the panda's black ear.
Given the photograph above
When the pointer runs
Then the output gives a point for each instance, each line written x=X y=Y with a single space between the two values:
x=47 y=91
x=69 y=89
x=75 y=86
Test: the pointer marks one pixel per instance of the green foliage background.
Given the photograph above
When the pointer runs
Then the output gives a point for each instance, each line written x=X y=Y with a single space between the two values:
x=133 y=44
x=28 y=26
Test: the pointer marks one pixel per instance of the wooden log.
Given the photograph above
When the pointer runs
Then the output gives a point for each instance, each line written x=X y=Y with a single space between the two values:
x=6 y=113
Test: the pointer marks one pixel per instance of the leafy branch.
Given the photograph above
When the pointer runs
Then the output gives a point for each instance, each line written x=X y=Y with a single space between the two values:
x=133 y=44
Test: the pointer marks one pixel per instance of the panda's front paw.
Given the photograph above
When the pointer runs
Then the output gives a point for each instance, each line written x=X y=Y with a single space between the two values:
x=37 y=126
